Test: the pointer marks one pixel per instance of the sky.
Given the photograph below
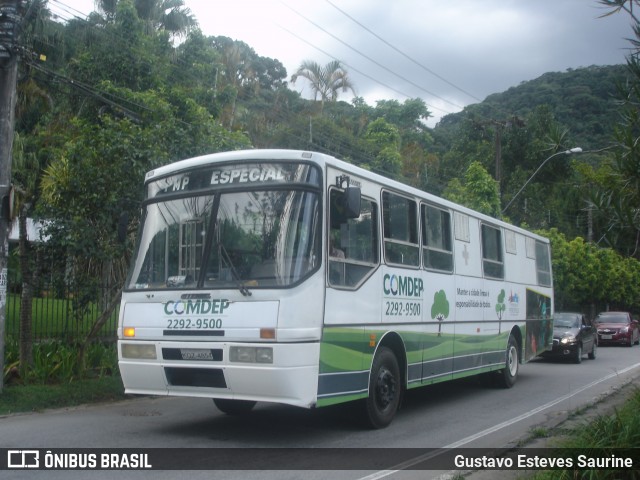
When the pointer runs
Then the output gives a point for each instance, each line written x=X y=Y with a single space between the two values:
x=448 y=53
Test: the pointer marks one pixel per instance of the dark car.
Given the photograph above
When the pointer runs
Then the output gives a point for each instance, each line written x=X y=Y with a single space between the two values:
x=617 y=328
x=573 y=336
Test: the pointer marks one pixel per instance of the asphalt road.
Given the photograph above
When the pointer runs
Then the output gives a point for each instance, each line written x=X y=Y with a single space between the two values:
x=461 y=414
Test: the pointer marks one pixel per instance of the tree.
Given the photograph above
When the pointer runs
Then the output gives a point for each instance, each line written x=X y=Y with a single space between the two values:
x=479 y=191
x=34 y=102
x=619 y=200
x=440 y=308
x=585 y=275
x=500 y=305
x=384 y=141
x=96 y=175
x=325 y=81
x=409 y=117
x=168 y=15
x=25 y=176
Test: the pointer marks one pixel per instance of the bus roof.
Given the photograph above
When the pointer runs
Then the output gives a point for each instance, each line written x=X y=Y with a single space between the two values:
x=324 y=160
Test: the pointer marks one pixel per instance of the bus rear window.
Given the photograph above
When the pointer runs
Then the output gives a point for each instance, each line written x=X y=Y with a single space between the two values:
x=543 y=264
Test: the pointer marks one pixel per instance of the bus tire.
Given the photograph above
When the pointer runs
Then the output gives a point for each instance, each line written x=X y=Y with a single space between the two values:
x=509 y=374
x=233 y=407
x=385 y=389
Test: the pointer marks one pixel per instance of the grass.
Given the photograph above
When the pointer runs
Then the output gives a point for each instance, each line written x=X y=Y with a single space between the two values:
x=602 y=437
x=539 y=432
x=55 y=379
x=34 y=398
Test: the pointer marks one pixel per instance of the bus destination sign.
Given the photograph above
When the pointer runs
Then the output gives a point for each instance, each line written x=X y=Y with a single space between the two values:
x=234 y=175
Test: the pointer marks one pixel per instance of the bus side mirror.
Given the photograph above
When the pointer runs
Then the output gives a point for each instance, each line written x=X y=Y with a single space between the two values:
x=352 y=202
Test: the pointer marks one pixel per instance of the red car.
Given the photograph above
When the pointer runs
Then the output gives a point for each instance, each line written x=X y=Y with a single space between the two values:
x=617 y=328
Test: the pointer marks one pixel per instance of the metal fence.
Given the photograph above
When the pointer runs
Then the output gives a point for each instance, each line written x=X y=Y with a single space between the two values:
x=60 y=315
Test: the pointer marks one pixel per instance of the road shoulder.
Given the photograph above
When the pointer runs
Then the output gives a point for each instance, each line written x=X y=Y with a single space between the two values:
x=553 y=430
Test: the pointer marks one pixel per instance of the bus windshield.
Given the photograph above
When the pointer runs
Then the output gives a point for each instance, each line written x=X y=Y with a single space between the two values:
x=229 y=239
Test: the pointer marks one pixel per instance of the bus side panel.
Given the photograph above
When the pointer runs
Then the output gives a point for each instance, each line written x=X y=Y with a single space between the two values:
x=344 y=358
x=439 y=327
x=346 y=349
x=476 y=333
x=503 y=311
x=472 y=333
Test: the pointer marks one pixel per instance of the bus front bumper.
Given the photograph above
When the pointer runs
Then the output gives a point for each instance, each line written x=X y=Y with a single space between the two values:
x=267 y=372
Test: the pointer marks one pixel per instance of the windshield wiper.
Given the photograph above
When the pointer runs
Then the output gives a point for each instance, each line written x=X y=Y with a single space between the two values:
x=234 y=273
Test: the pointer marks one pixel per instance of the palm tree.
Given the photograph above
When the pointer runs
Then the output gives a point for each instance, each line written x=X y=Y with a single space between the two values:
x=325 y=81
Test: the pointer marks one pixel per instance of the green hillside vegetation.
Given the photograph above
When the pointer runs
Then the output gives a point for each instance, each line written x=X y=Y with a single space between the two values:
x=585 y=101
x=531 y=121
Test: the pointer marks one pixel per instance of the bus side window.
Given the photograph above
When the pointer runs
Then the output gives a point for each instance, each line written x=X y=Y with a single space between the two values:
x=492 y=257
x=400 y=225
x=353 y=242
x=437 y=250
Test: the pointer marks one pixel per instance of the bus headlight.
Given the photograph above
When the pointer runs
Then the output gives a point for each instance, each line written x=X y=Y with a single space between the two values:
x=251 y=354
x=145 y=351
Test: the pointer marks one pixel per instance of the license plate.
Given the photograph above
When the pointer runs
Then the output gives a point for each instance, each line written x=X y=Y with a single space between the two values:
x=607 y=337
x=196 y=354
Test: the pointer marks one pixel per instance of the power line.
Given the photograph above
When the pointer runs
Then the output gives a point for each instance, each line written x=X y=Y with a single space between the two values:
x=402 y=53
x=102 y=96
x=384 y=67
x=498 y=110
x=344 y=63
x=77 y=14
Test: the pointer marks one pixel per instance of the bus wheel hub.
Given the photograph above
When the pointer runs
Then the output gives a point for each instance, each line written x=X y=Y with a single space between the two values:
x=386 y=387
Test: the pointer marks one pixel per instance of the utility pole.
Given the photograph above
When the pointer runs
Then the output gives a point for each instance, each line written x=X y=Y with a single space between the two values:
x=498 y=147
x=590 y=224
x=9 y=29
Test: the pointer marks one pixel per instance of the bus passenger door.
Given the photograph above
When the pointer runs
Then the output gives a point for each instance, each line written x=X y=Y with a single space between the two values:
x=439 y=310
x=351 y=317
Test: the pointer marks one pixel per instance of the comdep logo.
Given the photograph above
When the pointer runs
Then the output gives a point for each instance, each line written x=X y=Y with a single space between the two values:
x=399 y=286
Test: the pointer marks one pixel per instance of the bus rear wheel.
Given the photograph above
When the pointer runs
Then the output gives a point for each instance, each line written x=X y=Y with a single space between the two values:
x=384 y=389
x=234 y=407
x=509 y=374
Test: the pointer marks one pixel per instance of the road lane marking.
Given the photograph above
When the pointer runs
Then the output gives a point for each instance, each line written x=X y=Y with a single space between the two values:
x=488 y=431
x=541 y=408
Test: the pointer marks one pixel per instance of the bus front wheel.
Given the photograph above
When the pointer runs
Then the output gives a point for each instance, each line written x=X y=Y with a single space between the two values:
x=508 y=376
x=384 y=389
x=233 y=407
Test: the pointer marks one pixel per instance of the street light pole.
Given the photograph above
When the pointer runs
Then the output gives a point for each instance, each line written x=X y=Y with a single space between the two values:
x=565 y=152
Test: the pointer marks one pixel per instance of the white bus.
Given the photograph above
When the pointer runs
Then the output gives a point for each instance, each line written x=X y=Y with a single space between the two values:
x=293 y=277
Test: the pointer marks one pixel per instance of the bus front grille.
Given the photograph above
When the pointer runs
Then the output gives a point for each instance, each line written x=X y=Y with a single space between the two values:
x=195 y=377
